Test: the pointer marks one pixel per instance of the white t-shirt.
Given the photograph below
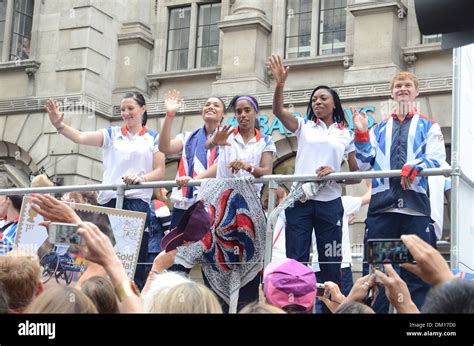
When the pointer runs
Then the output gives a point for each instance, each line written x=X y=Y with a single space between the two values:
x=124 y=154
x=319 y=145
x=351 y=206
x=249 y=153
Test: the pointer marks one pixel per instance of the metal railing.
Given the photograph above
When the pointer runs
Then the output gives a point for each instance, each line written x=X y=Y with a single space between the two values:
x=271 y=180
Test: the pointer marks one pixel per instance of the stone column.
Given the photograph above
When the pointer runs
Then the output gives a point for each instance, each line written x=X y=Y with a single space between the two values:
x=376 y=52
x=244 y=49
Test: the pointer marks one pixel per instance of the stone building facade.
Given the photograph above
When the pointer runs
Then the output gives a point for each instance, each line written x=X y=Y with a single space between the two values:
x=88 y=53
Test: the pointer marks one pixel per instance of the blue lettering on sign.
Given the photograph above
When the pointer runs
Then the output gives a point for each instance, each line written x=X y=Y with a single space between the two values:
x=267 y=129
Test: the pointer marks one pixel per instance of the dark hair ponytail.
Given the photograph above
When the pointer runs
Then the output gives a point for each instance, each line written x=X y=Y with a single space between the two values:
x=253 y=102
x=338 y=115
x=141 y=102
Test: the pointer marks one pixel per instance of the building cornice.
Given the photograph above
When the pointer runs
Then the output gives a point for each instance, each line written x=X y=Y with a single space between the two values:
x=88 y=104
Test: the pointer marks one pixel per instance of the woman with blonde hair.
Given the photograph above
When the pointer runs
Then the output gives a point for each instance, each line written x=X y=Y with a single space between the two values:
x=186 y=298
x=62 y=300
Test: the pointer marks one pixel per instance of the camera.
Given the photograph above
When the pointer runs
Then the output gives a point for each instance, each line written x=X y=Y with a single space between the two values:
x=319 y=290
x=64 y=233
x=388 y=251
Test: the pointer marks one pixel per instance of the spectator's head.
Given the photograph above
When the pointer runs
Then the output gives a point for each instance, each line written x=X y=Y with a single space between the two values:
x=86 y=197
x=189 y=297
x=280 y=196
x=325 y=103
x=101 y=291
x=161 y=284
x=13 y=203
x=3 y=299
x=354 y=308
x=257 y=308
x=21 y=278
x=41 y=181
x=453 y=297
x=160 y=193
x=61 y=299
x=290 y=285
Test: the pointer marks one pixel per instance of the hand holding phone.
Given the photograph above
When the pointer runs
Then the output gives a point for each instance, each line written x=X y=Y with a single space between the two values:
x=388 y=251
x=64 y=233
x=320 y=288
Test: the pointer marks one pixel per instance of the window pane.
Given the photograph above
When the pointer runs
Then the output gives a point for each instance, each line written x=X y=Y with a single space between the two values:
x=180 y=18
x=183 y=59
x=213 y=55
x=306 y=6
x=294 y=6
x=172 y=60
x=305 y=24
x=214 y=37
x=298 y=28
x=21 y=29
x=431 y=38
x=332 y=27
x=173 y=40
x=184 y=40
x=206 y=36
x=216 y=13
x=206 y=14
x=207 y=48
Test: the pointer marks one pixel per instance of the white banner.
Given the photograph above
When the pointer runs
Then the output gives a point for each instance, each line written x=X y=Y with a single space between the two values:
x=465 y=204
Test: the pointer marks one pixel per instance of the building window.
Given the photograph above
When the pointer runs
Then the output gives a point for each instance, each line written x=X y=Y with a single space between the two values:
x=430 y=38
x=298 y=28
x=305 y=38
x=178 y=39
x=21 y=31
x=332 y=26
x=16 y=19
x=193 y=36
x=207 y=48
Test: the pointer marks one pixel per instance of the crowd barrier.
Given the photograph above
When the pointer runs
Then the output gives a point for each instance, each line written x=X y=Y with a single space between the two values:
x=271 y=180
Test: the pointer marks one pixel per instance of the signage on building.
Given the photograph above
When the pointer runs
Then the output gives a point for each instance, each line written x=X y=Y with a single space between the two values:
x=269 y=124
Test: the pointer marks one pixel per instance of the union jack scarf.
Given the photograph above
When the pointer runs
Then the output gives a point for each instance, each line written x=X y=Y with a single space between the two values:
x=232 y=252
x=194 y=160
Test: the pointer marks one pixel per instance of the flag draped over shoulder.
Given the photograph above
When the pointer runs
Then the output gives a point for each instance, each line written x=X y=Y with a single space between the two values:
x=231 y=254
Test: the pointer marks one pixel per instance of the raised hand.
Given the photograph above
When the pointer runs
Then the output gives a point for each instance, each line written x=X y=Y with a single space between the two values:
x=396 y=290
x=173 y=101
x=430 y=265
x=280 y=72
x=360 y=120
x=98 y=248
x=222 y=134
x=55 y=116
x=53 y=209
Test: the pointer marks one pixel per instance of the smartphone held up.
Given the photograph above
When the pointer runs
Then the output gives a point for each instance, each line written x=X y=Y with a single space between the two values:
x=64 y=233
x=388 y=251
